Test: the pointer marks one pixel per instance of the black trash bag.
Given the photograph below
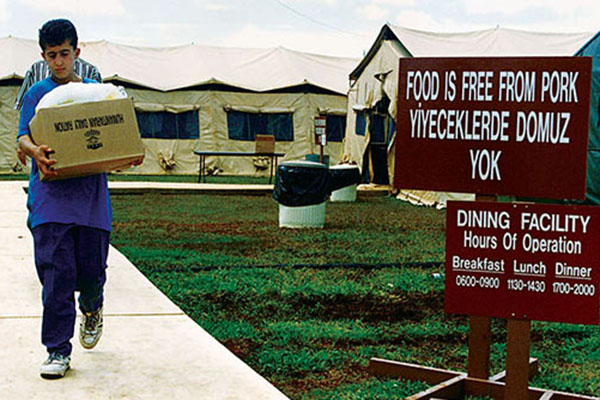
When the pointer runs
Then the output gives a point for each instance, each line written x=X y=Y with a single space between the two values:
x=342 y=177
x=298 y=185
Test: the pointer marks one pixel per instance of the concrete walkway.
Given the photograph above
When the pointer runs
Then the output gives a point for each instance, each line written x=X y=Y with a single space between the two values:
x=150 y=348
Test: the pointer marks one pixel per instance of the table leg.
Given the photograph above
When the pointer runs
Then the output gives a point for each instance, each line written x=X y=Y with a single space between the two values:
x=271 y=168
x=199 y=169
x=202 y=169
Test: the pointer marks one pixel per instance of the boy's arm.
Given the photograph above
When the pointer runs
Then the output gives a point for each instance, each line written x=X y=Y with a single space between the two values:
x=39 y=154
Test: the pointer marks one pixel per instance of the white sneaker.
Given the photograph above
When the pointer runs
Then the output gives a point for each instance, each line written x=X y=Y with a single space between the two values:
x=55 y=366
x=90 y=329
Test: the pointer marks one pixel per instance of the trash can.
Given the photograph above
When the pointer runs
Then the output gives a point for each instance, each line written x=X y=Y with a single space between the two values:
x=344 y=178
x=301 y=189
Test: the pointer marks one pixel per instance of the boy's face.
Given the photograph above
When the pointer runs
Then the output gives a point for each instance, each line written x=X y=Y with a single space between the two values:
x=60 y=59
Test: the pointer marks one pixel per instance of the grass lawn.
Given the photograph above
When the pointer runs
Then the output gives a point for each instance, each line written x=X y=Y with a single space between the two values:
x=308 y=308
x=14 y=177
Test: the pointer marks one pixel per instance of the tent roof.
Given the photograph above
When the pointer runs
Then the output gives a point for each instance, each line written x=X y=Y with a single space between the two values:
x=498 y=41
x=178 y=67
x=591 y=48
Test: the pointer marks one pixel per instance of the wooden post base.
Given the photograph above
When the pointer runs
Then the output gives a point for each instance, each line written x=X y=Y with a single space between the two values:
x=456 y=385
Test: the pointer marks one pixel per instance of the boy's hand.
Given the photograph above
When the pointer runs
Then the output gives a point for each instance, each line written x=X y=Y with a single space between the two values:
x=44 y=163
x=21 y=156
x=39 y=153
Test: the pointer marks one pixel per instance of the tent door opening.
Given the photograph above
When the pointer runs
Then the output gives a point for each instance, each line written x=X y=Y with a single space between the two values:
x=381 y=130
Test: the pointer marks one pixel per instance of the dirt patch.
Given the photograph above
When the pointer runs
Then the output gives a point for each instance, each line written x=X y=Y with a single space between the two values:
x=410 y=307
x=169 y=226
x=243 y=348
x=324 y=380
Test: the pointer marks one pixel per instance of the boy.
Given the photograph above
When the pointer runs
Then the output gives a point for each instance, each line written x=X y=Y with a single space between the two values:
x=38 y=71
x=70 y=219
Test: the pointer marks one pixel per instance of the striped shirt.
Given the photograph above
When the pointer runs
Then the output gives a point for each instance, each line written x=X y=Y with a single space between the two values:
x=39 y=70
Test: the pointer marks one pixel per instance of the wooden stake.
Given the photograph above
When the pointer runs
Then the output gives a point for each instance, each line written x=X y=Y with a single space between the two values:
x=517 y=360
x=480 y=339
x=480 y=333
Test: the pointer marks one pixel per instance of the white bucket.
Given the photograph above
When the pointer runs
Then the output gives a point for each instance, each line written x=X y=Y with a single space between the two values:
x=347 y=193
x=302 y=217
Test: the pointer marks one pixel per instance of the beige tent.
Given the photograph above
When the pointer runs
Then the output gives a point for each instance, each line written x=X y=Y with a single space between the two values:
x=372 y=96
x=202 y=97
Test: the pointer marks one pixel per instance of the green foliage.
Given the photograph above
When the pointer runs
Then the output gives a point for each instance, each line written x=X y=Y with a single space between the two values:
x=228 y=329
x=294 y=362
x=369 y=389
x=14 y=177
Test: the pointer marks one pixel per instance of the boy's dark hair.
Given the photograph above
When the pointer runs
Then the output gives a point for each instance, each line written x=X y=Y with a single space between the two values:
x=55 y=32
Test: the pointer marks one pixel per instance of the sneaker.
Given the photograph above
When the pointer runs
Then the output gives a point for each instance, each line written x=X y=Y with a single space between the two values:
x=90 y=329
x=55 y=366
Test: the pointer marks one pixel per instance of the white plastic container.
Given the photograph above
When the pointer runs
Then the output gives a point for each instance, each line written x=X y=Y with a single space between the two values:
x=347 y=193
x=302 y=217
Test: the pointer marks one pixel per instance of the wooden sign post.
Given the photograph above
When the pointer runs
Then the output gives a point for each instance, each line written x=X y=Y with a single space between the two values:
x=502 y=126
x=321 y=134
x=480 y=335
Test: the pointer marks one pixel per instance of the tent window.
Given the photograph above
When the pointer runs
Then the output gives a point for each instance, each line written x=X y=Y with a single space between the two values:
x=238 y=125
x=280 y=125
x=361 y=123
x=336 y=128
x=166 y=125
x=245 y=126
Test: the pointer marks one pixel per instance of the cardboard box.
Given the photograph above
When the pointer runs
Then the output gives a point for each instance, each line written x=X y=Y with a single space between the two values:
x=89 y=138
x=264 y=144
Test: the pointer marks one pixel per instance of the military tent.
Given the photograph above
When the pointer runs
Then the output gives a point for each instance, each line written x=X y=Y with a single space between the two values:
x=203 y=97
x=372 y=97
x=592 y=49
